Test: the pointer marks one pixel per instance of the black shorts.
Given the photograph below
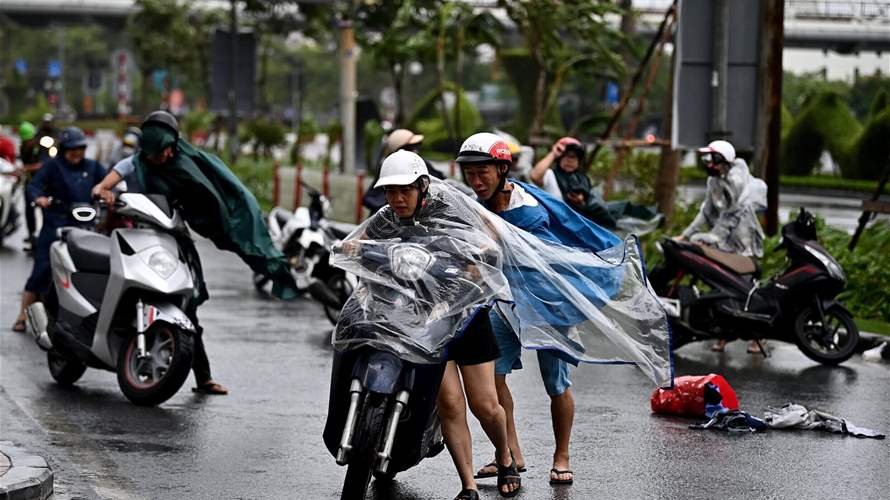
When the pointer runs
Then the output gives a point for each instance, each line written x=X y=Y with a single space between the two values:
x=477 y=345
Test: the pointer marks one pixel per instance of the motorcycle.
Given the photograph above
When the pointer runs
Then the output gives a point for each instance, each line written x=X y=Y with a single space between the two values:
x=10 y=198
x=117 y=302
x=305 y=238
x=723 y=297
x=382 y=416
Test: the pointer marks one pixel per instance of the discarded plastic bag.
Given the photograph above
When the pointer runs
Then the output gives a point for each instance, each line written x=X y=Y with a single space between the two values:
x=695 y=396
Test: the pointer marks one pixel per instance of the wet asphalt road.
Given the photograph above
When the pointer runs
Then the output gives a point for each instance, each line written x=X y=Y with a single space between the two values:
x=264 y=439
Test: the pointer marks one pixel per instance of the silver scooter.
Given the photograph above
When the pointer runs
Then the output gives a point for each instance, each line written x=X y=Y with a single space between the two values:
x=118 y=303
x=11 y=189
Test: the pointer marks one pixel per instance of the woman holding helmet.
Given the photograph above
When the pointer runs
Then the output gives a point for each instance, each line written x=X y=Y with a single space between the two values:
x=420 y=210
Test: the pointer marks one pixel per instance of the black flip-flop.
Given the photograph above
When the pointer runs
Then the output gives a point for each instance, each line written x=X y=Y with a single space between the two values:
x=467 y=495
x=211 y=388
x=507 y=474
x=562 y=481
x=484 y=475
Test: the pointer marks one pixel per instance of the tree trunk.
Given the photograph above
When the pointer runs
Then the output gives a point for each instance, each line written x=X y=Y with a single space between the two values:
x=143 y=91
x=669 y=165
x=458 y=79
x=540 y=89
x=396 y=73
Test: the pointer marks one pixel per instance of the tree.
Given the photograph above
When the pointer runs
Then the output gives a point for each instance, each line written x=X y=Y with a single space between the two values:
x=561 y=37
x=162 y=38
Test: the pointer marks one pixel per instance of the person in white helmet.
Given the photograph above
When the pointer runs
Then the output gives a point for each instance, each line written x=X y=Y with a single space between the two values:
x=400 y=139
x=727 y=219
x=413 y=207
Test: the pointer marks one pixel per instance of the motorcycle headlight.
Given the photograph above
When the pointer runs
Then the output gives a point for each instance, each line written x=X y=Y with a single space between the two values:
x=160 y=261
x=410 y=262
x=833 y=268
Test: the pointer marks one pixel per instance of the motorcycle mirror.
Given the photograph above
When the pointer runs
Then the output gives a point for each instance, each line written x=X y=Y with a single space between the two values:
x=84 y=214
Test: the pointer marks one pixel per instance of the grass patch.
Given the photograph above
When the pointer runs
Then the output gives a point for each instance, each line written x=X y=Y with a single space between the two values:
x=873 y=326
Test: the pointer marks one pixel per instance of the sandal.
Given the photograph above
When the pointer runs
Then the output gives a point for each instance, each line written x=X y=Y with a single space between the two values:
x=562 y=481
x=467 y=495
x=507 y=475
x=719 y=346
x=482 y=475
x=19 y=326
x=211 y=388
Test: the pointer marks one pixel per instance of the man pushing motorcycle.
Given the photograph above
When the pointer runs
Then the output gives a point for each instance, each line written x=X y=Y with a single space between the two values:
x=213 y=202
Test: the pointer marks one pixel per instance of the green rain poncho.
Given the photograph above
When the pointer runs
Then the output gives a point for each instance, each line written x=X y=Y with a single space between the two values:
x=215 y=204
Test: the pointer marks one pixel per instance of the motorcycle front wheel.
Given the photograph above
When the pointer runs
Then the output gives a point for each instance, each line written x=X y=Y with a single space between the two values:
x=157 y=377
x=365 y=439
x=65 y=371
x=830 y=342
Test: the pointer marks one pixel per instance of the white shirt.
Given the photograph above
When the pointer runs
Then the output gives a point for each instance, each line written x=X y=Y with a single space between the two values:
x=550 y=184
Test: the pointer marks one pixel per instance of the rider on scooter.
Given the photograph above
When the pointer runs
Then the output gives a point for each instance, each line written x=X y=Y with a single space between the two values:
x=214 y=203
x=415 y=208
x=67 y=179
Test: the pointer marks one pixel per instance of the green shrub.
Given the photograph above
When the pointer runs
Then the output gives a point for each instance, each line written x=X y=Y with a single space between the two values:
x=825 y=123
x=373 y=137
x=258 y=178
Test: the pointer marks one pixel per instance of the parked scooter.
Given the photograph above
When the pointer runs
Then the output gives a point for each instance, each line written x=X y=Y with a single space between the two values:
x=305 y=237
x=724 y=299
x=10 y=199
x=382 y=415
x=117 y=303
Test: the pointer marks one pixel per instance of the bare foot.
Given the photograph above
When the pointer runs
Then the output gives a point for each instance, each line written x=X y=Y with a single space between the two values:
x=720 y=346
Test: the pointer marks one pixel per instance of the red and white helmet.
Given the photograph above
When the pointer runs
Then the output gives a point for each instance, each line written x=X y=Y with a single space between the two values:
x=401 y=168
x=484 y=147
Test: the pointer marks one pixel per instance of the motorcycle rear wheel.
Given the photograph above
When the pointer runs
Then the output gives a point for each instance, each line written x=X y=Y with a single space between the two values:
x=152 y=381
x=340 y=286
x=365 y=439
x=815 y=341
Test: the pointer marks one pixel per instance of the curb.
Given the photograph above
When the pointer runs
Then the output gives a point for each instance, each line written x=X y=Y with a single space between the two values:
x=23 y=475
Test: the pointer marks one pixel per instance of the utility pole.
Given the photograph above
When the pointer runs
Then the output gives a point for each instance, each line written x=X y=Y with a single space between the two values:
x=720 y=70
x=233 y=73
x=773 y=40
x=347 y=95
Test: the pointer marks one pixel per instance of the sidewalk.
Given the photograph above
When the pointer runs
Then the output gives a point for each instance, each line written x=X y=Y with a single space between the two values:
x=23 y=475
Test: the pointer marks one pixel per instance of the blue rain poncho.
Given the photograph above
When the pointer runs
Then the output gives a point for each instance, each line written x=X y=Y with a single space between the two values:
x=555 y=292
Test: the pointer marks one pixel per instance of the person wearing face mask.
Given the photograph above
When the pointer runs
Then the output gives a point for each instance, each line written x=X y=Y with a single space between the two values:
x=213 y=202
x=60 y=182
x=727 y=219
x=561 y=174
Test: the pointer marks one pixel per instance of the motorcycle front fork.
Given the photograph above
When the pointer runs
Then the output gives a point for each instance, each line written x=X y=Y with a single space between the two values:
x=385 y=454
x=140 y=330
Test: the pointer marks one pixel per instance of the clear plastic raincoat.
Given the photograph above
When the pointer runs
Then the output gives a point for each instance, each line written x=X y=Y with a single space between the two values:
x=587 y=307
x=730 y=211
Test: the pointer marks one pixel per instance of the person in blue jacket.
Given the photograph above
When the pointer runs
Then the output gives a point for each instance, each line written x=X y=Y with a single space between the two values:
x=485 y=160
x=66 y=179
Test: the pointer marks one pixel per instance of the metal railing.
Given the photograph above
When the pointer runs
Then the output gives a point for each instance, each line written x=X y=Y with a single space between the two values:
x=830 y=10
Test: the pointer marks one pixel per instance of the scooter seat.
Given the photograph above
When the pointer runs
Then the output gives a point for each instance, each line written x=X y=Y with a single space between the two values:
x=91 y=252
x=734 y=262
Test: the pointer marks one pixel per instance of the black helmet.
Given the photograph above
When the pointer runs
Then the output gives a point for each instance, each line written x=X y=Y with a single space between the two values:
x=72 y=138
x=164 y=118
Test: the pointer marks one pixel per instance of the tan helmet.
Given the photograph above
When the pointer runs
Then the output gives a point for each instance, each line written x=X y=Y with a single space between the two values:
x=400 y=138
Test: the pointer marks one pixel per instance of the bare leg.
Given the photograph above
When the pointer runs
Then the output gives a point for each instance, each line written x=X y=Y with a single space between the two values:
x=453 y=412
x=28 y=298
x=562 y=412
x=482 y=395
x=505 y=398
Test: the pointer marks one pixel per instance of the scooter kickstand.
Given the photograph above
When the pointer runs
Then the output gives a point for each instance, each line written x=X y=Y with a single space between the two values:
x=762 y=348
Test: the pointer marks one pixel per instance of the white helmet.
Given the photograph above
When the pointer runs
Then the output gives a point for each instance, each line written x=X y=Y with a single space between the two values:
x=401 y=168
x=722 y=148
x=484 y=147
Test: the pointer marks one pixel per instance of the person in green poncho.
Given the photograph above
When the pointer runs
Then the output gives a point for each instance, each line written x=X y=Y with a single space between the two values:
x=212 y=201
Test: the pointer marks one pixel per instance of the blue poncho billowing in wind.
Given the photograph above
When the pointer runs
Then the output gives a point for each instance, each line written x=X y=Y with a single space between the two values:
x=572 y=287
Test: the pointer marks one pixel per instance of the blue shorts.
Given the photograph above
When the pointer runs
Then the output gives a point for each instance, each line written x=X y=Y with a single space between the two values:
x=554 y=371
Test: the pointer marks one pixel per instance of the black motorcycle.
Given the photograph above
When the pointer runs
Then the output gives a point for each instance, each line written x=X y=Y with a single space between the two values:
x=710 y=294
x=382 y=416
